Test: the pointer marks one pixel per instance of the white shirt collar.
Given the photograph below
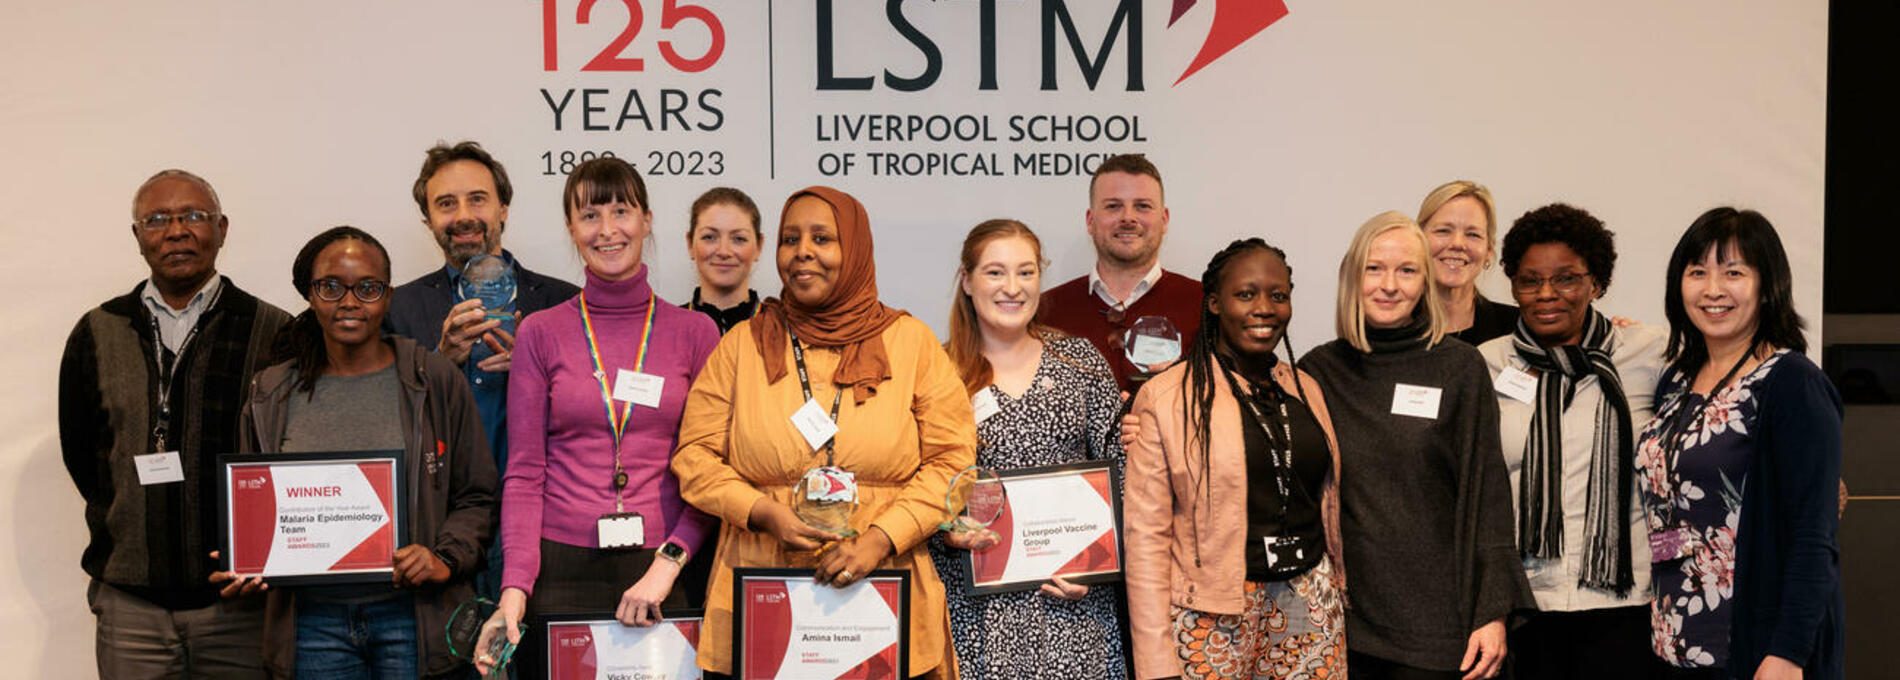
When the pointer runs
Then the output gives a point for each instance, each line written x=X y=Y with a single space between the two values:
x=197 y=303
x=1147 y=282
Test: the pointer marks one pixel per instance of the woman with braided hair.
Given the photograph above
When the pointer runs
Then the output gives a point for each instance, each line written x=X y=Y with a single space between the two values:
x=1230 y=501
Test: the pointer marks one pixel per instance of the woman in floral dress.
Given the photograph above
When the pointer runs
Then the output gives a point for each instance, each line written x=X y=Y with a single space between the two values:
x=1739 y=468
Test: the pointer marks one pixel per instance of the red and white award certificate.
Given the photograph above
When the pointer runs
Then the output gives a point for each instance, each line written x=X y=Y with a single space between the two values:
x=313 y=518
x=787 y=626
x=596 y=647
x=1060 y=520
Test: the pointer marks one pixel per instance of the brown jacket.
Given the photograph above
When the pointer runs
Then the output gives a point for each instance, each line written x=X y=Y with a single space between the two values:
x=1186 y=543
x=451 y=488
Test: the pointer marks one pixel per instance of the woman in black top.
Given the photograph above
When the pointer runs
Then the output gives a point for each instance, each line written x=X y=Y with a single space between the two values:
x=724 y=242
x=1461 y=231
x=1425 y=509
x=1215 y=593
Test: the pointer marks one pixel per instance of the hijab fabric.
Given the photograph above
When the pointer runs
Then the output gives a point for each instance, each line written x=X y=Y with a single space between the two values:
x=850 y=318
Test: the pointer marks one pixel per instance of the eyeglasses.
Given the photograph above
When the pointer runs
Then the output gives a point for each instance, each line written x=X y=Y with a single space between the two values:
x=1562 y=283
x=332 y=290
x=161 y=221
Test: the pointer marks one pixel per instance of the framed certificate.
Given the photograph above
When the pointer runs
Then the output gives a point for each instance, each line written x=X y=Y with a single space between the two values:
x=593 y=646
x=1061 y=520
x=309 y=518
x=784 y=625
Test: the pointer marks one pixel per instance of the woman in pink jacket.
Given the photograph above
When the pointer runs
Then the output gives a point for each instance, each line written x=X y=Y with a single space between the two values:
x=1231 y=504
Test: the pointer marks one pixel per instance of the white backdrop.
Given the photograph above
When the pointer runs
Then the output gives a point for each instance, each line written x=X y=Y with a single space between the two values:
x=308 y=115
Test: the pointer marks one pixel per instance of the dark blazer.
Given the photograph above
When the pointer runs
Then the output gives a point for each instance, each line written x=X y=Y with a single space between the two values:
x=419 y=306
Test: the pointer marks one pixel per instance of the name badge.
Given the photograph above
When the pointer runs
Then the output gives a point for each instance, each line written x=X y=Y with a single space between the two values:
x=984 y=404
x=159 y=468
x=1416 y=401
x=625 y=530
x=640 y=388
x=1517 y=384
x=812 y=422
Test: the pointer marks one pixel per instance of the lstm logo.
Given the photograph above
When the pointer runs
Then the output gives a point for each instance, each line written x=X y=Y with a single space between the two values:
x=1234 y=22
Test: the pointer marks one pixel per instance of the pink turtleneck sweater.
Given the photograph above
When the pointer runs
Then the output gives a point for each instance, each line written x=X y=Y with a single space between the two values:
x=560 y=446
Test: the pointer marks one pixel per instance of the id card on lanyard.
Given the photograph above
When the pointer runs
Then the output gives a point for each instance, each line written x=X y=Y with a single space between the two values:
x=622 y=529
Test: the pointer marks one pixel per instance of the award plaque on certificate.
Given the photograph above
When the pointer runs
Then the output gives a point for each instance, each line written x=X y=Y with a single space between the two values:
x=313 y=518
x=1061 y=520
x=784 y=625
x=596 y=647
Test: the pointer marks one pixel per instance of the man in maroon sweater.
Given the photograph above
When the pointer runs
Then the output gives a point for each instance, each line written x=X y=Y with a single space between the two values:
x=1127 y=217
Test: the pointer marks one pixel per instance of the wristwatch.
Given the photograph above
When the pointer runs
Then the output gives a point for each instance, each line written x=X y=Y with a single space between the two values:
x=673 y=551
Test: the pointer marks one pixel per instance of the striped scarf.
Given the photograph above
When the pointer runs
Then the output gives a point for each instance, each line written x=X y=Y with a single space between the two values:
x=1540 y=512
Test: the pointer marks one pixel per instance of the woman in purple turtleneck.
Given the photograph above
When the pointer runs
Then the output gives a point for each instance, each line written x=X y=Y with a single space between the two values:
x=591 y=517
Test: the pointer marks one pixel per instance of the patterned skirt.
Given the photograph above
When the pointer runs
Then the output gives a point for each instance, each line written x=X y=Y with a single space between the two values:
x=1290 y=630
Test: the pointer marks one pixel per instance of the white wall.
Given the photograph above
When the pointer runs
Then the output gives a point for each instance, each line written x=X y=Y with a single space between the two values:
x=308 y=115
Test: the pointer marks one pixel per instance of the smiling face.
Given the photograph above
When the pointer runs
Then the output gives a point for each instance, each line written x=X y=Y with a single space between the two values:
x=608 y=235
x=1254 y=303
x=1005 y=284
x=809 y=254
x=1393 y=280
x=725 y=245
x=182 y=257
x=466 y=214
x=1460 y=241
x=1127 y=218
x=349 y=322
x=1722 y=295
x=1554 y=312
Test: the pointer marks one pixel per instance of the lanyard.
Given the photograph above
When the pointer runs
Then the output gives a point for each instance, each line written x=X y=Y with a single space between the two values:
x=161 y=426
x=1677 y=430
x=616 y=422
x=804 y=383
x=1282 y=469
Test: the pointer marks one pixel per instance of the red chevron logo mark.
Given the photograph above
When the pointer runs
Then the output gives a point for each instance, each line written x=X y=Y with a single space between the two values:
x=1235 y=21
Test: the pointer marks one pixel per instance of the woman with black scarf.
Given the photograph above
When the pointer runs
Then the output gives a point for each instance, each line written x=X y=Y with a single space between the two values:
x=1572 y=390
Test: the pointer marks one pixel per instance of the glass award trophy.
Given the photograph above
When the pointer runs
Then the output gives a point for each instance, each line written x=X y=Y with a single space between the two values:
x=464 y=630
x=975 y=500
x=488 y=278
x=1151 y=343
x=825 y=498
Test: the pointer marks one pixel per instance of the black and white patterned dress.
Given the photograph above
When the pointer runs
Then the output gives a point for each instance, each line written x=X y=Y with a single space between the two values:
x=1065 y=416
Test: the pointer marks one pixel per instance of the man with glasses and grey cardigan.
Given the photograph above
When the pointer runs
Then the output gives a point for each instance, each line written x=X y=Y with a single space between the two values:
x=150 y=388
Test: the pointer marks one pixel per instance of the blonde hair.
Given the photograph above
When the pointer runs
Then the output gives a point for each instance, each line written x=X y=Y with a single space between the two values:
x=1350 y=321
x=1456 y=189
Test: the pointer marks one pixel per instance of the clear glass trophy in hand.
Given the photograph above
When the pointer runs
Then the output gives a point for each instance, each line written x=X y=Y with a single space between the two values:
x=465 y=629
x=825 y=498
x=1151 y=344
x=488 y=278
x=976 y=498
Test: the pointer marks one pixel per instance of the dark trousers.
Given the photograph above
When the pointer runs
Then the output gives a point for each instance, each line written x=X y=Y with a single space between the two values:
x=577 y=580
x=1589 y=644
x=1363 y=667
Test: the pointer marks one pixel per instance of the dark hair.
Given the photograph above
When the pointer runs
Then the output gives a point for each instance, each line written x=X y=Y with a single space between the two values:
x=1128 y=163
x=1573 y=227
x=442 y=154
x=722 y=196
x=1199 y=354
x=302 y=340
x=1728 y=231
x=603 y=180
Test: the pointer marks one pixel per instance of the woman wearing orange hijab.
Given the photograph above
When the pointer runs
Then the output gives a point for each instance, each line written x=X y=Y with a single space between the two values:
x=904 y=429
